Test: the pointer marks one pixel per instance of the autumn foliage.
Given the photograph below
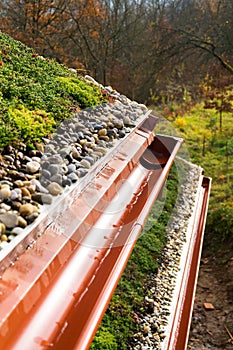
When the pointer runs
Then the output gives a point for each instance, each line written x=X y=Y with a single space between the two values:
x=149 y=50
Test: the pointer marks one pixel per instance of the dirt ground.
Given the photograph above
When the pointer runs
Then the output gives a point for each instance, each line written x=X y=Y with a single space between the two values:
x=213 y=329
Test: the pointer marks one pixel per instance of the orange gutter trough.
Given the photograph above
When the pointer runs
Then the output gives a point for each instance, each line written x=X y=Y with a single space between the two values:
x=58 y=279
x=180 y=318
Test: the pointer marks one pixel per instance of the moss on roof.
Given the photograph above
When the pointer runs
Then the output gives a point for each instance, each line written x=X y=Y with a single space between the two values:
x=41 y=89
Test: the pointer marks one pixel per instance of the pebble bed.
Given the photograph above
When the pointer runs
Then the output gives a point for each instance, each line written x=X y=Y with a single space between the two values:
x=154 y=321
x=31 y=178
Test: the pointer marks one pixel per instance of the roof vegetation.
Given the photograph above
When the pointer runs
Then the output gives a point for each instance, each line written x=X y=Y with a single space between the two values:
x=37 y=93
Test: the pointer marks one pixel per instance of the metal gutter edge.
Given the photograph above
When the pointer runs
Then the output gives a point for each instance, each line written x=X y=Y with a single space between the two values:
x=181 y=319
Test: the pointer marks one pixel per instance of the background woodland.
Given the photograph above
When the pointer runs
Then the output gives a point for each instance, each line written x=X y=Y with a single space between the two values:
x=151 y=50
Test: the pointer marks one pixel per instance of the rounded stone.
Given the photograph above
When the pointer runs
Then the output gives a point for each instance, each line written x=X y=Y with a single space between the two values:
x=44 y=164
x=36 y=159
x=22 y=222
x=71 y=168
x=54 y=188
x=32 y=167
x=80 y=135
x=39 y=186
x=46 y=198
x=18 y=183
x=75 y=153
x=4 y=238
x=15 y=205
x=55 y=159
x=83 y=142
x=9 y=158
x=46 y=173
x=40 y=147
x=25 y=192
x=96 y=138
x=10 y=220
x=27 y=209
x=121 y=133
x=15 y=195
x=53 y=169
x=2 y=228
x=73 y=177
x=6 y=184
x=100 y=149
x=32 y=217
x=118 y=123
x=85 y=163
x=81 y=172
x=5 y=193
x=102 y=132
x=57 y=178
x=17 y=230
x=65 y=151
x=5 y=206
x=31 y=188
x=126 y=120
x=90 y=159
x=104 y=138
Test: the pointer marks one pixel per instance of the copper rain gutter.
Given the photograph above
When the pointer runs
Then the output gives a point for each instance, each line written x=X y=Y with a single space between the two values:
x=58 y=278
x=179 y=325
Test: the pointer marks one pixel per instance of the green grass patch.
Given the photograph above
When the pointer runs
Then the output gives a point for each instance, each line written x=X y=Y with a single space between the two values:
x=31 y=83
x=85 y=95
x=212 y=149
x=30 y=125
